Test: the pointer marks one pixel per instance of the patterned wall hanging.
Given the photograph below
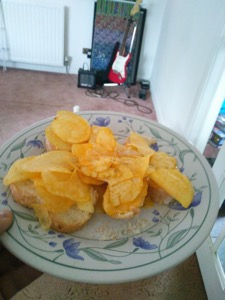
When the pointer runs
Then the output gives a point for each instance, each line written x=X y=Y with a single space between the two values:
x=110 y=23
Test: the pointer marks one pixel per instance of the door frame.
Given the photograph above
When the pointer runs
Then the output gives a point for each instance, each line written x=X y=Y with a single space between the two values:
x=211 y=100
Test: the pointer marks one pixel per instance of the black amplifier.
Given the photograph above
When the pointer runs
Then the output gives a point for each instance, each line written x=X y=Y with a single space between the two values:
x=86 y=79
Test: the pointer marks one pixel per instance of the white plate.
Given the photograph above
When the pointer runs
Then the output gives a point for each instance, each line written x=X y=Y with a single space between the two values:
x=161 y=237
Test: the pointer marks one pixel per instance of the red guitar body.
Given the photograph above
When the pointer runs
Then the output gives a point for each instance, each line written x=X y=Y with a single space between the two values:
x=118 y=72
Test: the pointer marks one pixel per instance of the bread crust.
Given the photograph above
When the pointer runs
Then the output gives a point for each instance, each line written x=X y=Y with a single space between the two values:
x=157 y=194
x=24 y=193
x=70 y=220
x=73 y=219
x=49 y=146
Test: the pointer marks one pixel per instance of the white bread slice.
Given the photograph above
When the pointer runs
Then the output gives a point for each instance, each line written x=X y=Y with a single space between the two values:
x=24 y=193
x=70 y=220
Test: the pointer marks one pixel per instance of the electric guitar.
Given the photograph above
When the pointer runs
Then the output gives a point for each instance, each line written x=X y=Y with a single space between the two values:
x=118 y=72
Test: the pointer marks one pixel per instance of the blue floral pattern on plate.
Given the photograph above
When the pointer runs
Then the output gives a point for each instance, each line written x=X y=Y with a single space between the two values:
x=163 y=233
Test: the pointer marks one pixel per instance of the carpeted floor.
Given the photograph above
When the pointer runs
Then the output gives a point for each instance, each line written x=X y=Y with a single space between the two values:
x=27 y=97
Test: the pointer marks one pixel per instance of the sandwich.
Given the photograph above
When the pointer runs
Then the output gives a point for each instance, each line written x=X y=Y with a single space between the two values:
x=61 y=185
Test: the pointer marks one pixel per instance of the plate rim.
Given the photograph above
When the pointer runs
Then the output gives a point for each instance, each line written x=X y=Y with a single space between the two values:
x=108 y=279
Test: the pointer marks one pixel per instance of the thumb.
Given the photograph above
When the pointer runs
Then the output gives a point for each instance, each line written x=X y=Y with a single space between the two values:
x=5 y=220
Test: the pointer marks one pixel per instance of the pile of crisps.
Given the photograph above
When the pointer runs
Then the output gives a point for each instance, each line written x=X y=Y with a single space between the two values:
x=125 y=169
x=86 y=157
x=55 y=179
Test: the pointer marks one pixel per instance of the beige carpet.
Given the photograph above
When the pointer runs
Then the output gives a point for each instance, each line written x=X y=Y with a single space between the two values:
x=27 y=97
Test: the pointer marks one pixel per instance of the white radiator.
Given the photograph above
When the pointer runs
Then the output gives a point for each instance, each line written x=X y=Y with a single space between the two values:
x=35 y=32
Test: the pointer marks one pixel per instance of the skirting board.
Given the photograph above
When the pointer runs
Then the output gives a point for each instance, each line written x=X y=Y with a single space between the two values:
x=158 y=110
x=34 y=67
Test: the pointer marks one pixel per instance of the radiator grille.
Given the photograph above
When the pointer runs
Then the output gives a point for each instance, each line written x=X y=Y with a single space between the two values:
x=35 y=32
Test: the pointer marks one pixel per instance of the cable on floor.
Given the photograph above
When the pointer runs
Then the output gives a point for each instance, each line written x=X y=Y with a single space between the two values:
x=101 y=93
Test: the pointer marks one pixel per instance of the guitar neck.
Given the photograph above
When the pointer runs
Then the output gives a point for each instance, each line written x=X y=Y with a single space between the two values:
x=134 y=11
x=123 y=45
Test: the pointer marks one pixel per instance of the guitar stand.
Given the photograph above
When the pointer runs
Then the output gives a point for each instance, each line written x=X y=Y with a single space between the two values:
x=127 y=90
x=126 y=87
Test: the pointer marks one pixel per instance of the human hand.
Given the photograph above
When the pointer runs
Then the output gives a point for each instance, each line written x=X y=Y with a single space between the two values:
x=5 y=220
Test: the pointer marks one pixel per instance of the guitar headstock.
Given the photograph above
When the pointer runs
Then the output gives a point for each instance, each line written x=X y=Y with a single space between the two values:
x=136 y=8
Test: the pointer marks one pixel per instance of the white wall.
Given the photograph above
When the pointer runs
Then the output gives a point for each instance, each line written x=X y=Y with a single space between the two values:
x=155 y=12
x=80 y=25
x=189 y=41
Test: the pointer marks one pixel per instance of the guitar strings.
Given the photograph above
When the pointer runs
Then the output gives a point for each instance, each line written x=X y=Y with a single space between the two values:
x=101 y=93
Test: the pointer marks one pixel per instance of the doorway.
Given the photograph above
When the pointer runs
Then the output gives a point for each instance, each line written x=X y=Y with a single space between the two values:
x=211 y=100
